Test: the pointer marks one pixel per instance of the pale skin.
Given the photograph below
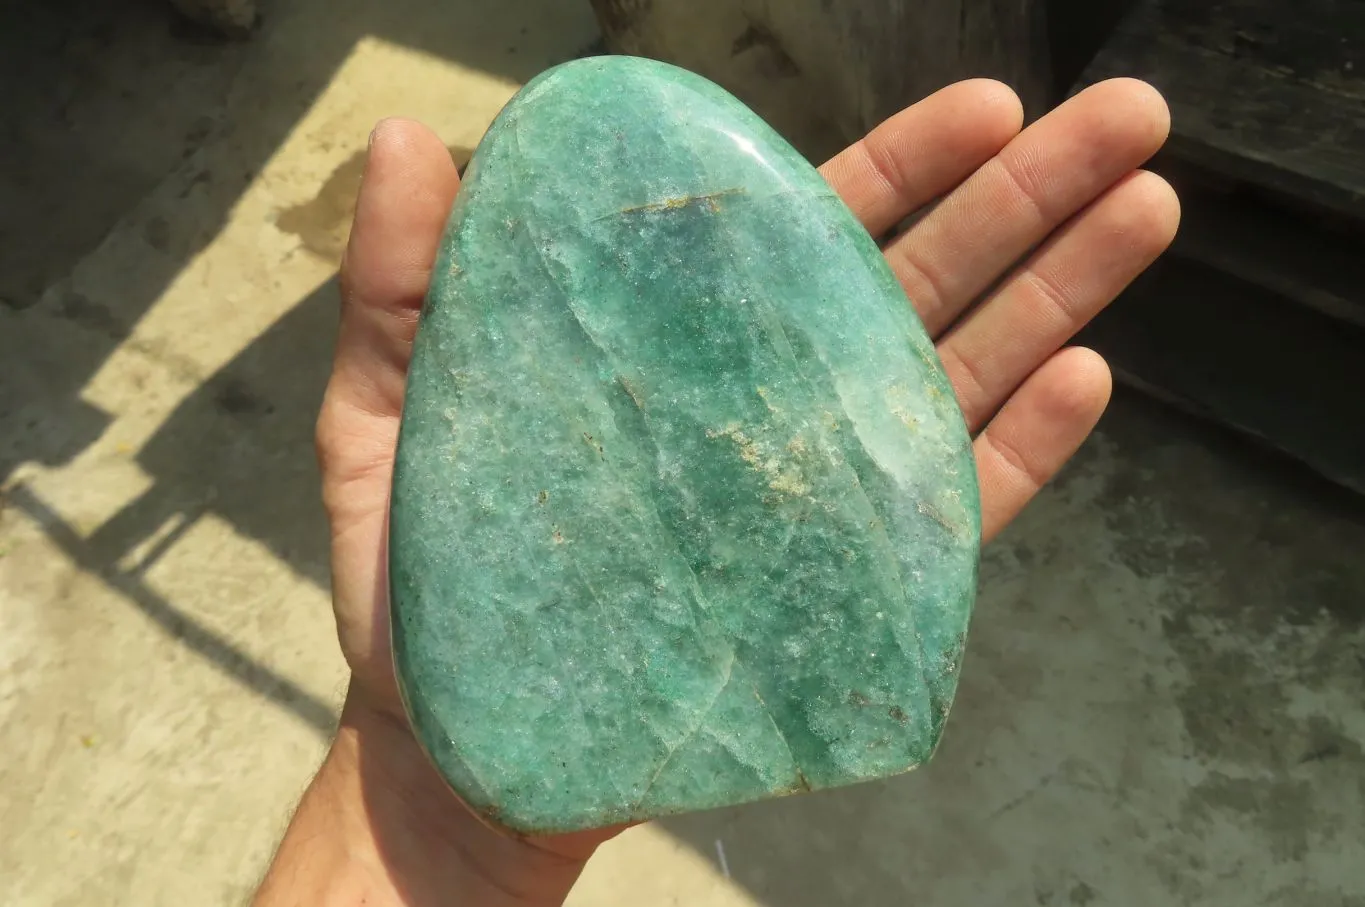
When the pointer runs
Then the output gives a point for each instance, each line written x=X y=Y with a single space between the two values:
x=1034 y=232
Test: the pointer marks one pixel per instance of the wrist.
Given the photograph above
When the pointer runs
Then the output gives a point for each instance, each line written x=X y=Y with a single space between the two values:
x=379 y=825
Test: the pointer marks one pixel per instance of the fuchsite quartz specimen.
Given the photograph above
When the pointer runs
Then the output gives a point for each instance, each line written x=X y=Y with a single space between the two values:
x=684 y=513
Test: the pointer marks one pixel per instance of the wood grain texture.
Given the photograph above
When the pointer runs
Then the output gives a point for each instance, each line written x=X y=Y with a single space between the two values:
x=1303 y=257
x=1271 y=93
x=836 y=68
x=1230 y=351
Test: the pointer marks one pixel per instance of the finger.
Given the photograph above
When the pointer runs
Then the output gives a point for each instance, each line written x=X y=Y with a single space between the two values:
x=1068 y=281
x=924 y=151
x=1052 y=169
x=405 y=197
x=1037 y=431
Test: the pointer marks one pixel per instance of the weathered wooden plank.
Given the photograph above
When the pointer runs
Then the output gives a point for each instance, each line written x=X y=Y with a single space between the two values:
x=1305 y=256
x=826 y=71
x=1272 y=93
x=231 y=18
x=1232 y=352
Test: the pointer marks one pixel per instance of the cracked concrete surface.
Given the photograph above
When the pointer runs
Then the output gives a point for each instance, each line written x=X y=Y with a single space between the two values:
x=1164 y=693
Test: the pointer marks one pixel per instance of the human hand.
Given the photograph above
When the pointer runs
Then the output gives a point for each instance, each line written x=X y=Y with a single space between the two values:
x=1031 y=235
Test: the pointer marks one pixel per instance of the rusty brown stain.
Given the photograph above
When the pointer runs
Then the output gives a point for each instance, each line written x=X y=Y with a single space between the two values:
x=630 y=391
x=707 y=200
x=933 y=514
x=898 y=714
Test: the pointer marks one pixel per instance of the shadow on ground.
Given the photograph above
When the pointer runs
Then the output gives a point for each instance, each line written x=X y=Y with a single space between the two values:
x=241 y=447
x=116 y=97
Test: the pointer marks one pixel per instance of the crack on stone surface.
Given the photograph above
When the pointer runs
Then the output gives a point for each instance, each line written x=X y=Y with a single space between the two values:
x=776 y=328
x=705 y=713
x=777 y=729
x=910 y=604
x=603 y=352
x=933 y=513
x=706 y=200
x=699 y=611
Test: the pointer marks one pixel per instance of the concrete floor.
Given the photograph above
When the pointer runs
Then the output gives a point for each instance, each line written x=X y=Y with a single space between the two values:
x=1164 y=697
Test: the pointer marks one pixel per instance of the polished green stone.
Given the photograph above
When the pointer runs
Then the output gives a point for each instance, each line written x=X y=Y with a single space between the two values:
x=684 y=513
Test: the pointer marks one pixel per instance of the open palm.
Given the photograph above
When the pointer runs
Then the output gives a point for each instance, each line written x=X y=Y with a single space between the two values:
x=1028 y=236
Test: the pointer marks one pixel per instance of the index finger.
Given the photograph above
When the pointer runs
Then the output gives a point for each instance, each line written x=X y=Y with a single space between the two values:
x=924 y=151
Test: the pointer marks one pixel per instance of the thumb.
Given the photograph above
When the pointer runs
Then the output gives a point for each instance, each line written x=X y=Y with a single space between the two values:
x=405 y=196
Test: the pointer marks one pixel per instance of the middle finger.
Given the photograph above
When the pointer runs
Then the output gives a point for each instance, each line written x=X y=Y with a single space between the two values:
x=1050 y=171
x=1066 y=282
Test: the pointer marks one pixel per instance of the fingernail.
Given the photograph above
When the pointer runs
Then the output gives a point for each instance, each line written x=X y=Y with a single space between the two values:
x=382 y=126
